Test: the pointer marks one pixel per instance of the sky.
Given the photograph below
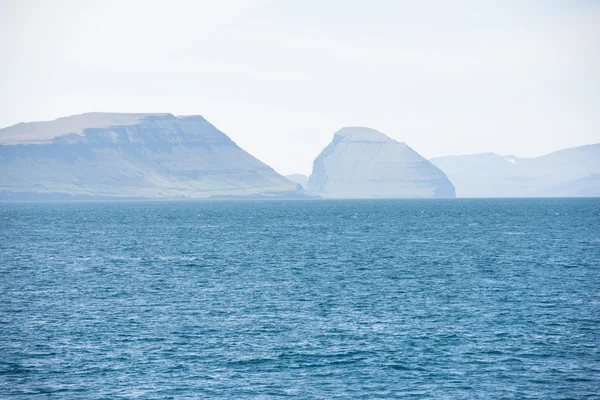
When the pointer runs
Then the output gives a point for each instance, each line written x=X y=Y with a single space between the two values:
x=281 y=77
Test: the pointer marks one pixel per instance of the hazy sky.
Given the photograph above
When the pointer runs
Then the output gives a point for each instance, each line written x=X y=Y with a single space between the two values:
x=280 y=77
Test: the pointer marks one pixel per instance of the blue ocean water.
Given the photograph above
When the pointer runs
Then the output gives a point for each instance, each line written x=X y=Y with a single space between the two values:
x=309 y=299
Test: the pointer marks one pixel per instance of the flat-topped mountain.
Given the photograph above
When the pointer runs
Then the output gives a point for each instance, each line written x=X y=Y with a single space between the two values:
x=105 y=155
x=45 y=131
x=565 y=173
x=364 y=163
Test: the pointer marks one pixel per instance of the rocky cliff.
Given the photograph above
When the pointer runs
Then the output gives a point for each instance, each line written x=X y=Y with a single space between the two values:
x=364 y=163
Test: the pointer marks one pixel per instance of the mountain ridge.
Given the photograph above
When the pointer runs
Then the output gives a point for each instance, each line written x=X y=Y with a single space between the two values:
x=549 y=175
x=150 y=156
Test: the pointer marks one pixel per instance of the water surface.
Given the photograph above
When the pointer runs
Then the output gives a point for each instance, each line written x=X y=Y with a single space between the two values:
x=313 y=299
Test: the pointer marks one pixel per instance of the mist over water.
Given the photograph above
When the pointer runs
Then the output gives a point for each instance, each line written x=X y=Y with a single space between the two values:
x=494 y=298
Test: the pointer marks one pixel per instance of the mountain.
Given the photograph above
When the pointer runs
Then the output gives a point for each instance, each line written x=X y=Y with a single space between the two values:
x=364 y=163
x=300 y=179
x=588 y=186
x=565 y=173
x=103 y=155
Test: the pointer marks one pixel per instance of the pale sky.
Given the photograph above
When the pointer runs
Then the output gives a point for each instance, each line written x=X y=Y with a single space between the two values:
x=280 y=77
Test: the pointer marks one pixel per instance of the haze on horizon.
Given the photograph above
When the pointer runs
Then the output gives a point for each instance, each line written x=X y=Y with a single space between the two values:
x=280 y=77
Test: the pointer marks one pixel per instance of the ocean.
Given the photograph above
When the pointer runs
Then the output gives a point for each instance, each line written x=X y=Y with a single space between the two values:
x=451 y=299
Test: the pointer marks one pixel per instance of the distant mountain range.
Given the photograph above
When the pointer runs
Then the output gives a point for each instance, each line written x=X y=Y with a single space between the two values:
x=571 y=172
x=300 y=179
x=156 y=156
x=162 y=156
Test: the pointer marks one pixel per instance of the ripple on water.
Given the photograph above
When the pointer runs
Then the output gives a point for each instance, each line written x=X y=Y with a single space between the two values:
x=325 y=299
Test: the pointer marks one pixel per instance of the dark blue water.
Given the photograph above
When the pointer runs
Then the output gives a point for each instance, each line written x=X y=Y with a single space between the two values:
x=313 y=299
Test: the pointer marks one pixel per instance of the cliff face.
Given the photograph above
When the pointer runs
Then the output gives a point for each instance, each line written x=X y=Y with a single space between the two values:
x=565 y=173
x=364 y=163
x=131 y=156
